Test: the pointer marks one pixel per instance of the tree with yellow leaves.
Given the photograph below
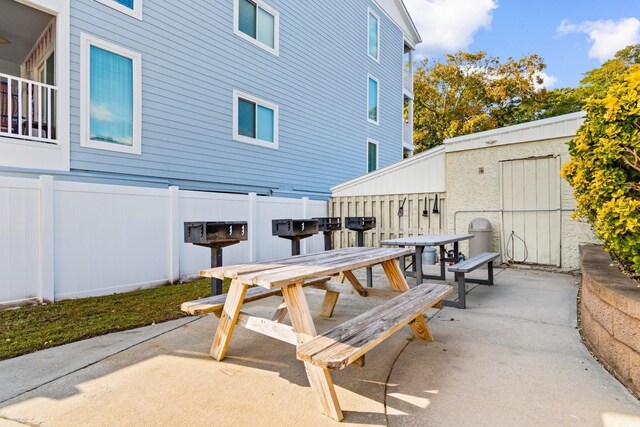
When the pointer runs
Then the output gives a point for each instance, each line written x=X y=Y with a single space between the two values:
x=605 y=167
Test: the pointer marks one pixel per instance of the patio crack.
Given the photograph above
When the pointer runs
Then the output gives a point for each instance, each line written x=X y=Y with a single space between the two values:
x=66 y=374
x=25 y=423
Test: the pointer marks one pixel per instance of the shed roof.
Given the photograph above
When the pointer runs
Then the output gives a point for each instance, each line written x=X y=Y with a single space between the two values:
x=564 y=126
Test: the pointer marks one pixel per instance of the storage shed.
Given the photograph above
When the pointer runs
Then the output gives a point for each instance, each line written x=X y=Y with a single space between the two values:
x=510 y=176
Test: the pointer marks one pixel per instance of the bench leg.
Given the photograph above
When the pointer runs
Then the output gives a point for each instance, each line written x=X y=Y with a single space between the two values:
x=462 y=297
x=228 y=320
x=319 y=378
x=399 y=283
x=490 y=272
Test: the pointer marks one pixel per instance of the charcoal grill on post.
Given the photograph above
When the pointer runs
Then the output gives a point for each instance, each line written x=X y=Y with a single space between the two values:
x=215 y=235
x=360 y=224
x=294 y=230
x=327 y=225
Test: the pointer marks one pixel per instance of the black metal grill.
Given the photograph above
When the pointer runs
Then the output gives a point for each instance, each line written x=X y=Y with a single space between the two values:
x=294 y=230
x=360 y=224
x=327 y=225
x=215 y=235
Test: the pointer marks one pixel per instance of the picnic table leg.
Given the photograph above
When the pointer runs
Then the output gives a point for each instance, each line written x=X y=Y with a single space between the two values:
x=402 y=261
x=319 y=378
x=330 y=300
x=418 y=264
x=399 y=283
x=443 y=263
x=228 y=319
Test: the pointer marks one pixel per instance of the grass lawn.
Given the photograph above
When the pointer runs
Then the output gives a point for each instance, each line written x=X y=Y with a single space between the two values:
x=31 y=328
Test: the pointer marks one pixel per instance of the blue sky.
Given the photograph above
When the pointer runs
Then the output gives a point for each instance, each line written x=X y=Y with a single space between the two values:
x=571 y=36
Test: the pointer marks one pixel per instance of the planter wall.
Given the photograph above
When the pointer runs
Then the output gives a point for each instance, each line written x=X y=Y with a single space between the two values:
x=610 y=316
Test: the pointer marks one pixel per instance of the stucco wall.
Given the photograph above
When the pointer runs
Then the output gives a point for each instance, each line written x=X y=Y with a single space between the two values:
x=467 y=189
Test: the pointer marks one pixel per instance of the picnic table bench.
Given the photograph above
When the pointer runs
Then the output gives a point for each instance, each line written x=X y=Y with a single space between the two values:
x=342 y=345
x=468 y=266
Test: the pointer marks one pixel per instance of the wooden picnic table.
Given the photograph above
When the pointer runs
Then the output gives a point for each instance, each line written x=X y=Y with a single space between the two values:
x=289 y=276
x=428 y=240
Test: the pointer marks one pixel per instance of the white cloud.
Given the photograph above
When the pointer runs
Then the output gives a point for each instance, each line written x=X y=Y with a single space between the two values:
x=606 y=36
x=449 y=25
x=101 y=113
x=547 y=81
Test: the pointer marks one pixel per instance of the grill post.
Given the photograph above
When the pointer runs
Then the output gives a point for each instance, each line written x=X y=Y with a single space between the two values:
x=328 y=224
x=327 y=241
x=216 y=261
x=295 y=246
x=360 y=225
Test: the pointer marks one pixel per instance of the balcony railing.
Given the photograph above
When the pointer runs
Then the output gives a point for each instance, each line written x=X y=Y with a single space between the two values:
x=407 y=134
x=27 y=109
x=407 y=81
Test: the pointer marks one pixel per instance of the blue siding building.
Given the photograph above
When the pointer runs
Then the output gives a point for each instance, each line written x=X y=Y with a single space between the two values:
x=273 y=97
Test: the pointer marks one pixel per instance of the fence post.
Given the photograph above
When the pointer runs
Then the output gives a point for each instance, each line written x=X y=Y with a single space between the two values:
x=174 y=234
x=253 y=224
x=47 y=266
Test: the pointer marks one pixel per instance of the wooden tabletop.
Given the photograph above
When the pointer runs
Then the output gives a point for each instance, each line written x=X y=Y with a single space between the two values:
x=428 y=240
x=287 y=271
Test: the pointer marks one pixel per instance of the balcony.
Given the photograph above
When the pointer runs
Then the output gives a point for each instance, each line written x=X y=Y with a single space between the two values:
x=407 y=81
x=27 y=109
x=407 y=135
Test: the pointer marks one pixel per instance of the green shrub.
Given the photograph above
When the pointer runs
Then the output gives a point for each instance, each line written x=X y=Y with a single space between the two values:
x=605 y=167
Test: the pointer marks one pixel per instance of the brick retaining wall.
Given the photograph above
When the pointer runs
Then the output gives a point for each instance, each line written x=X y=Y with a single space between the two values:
x=610 y=316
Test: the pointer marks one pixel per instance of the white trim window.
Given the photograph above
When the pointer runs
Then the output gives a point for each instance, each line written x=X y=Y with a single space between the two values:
x=110 y=96
x=258 y=23
x=128 y=7
x=373 y=100
x=255 y=121
x=373 y=35
x=372 y=155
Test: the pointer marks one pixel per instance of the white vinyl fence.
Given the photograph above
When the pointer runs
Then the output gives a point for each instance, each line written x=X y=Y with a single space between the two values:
x=62 y=240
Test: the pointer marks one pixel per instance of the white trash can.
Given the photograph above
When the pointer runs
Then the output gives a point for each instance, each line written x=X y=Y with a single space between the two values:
x=482 y=241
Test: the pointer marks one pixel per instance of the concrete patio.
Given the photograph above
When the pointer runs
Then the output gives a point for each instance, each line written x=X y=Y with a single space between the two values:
x=514 y=357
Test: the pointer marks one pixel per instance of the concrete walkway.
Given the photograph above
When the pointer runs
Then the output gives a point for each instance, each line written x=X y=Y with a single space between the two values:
x=514 y=357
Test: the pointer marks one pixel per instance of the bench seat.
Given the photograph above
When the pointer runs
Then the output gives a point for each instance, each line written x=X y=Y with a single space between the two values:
x=216 y=303
x=346 y=343
x=471 y=264
x=467 y=266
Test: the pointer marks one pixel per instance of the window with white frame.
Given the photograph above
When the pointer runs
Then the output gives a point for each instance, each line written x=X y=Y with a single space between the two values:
x=254 y=120
x=373 y=100
x=111 y=93
x=374 y=36
x=372 y=155
x=129 y=7
x=258 y=23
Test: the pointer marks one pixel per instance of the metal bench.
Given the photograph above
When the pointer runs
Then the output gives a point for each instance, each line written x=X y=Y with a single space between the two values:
x=348 y=342
x=467 y=266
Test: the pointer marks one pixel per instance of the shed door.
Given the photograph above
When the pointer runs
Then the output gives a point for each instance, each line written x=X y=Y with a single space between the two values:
x=531 y=215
